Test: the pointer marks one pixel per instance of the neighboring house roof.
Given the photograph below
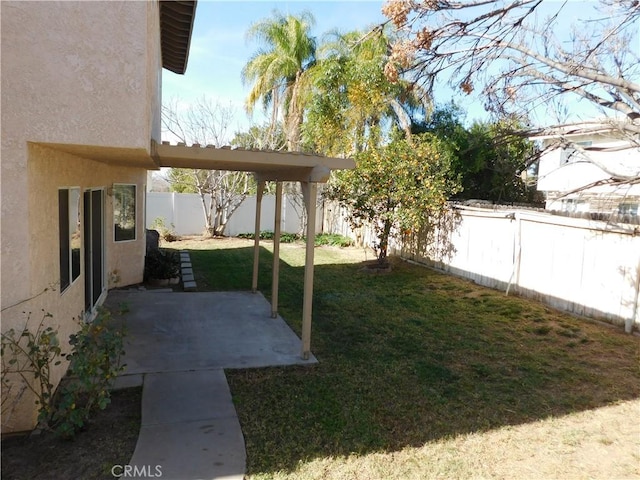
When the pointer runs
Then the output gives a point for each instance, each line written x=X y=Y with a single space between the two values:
x=572 y=129
x=176 y=25
x=595 y=128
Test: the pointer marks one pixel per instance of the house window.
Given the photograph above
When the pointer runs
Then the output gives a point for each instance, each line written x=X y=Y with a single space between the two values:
x=570 y=154
x=69 y=231
x=124 y=212
x=630 y=209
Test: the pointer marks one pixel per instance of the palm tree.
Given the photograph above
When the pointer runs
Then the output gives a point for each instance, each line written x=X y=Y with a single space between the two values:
x=277 y=71
x=351 y=99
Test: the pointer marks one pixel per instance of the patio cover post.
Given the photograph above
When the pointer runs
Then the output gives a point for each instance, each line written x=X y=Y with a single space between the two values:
x=276 y=251
x=310 y=192
x=256 y=242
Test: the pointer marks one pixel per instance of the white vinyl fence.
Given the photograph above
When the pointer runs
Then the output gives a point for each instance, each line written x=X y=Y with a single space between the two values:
x=582 y=266
x=183 y=212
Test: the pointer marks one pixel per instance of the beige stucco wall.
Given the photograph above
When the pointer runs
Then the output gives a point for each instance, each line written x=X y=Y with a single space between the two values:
x=154 y=71
x=83 y=74
x=48 y=170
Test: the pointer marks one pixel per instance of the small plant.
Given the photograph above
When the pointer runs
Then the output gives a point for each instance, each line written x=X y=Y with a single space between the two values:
x=29 y=356
x=94 y=364
x=333 y=239
x=161 y=264
x=321 y=238
x=289 y=238
x=168 y=234
x=269 y=235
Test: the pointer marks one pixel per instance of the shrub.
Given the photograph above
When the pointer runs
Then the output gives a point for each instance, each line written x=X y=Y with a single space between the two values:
x=166 y=233
x=333 y=239
x=161 y=264
x=269 y=235
x=94 y=364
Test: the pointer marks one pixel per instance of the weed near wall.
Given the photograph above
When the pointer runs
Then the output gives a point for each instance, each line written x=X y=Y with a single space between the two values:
x=27 y=358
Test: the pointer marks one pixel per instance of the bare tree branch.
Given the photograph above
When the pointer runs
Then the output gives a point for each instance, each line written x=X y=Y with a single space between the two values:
x=221 y=192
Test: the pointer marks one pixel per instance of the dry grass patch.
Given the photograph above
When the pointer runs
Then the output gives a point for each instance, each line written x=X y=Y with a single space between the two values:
x=599 y=443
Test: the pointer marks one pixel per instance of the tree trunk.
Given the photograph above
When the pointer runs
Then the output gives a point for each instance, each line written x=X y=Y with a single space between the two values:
x=294 y=117
x=384 y=242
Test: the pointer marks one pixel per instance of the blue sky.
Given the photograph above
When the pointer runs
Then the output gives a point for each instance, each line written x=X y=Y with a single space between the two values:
x=219 y=49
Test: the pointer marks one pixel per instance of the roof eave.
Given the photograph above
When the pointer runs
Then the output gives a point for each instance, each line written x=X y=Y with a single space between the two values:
x=176 y=27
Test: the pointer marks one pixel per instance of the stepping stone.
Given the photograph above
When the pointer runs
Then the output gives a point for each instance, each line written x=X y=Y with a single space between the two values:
x=188 y=278
x=190 y=286
x=187 y=271
x=185 y=265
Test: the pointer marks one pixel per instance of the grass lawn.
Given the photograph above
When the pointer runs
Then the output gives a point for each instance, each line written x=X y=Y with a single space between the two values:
x=425 y=375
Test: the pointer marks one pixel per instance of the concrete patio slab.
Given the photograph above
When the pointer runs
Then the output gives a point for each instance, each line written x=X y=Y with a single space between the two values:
x=178 y=331
x=177 y=346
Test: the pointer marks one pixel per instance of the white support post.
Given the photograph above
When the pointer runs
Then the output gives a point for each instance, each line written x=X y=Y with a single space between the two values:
x=256 y=242
x=310 y=192
x=276 y=251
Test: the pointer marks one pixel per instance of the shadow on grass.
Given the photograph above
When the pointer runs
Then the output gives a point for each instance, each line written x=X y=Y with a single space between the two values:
x=411 y=357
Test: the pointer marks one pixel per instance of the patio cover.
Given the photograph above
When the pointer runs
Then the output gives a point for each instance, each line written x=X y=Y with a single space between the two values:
x=266 y=165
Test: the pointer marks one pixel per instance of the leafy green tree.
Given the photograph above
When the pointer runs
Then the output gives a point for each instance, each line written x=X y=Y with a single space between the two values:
x=277 y=72
x=488 y=157
x=181 y=180
x=396 y=188
x=497 y=158
x=351 y=103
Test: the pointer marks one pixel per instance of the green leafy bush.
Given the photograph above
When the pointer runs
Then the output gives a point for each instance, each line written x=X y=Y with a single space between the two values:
x=321 y=238
x=94 y=364
x=333 y=239
x=269 y=235
x=161 y=264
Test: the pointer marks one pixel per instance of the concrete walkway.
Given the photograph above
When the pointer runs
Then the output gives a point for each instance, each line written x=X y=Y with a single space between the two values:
x=177 y=346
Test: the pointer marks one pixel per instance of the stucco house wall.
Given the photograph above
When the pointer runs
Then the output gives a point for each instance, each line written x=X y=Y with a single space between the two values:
x=80 y=105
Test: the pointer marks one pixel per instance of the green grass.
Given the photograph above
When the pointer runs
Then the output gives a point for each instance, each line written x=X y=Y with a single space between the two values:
x=408 y=358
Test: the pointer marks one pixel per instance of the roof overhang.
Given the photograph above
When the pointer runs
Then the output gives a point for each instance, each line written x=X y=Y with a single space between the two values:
x=176 y=25
x=601 y=128
x=120 y=156
x=267 y=165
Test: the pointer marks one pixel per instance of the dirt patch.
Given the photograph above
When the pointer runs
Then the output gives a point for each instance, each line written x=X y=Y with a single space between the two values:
x=109 y=440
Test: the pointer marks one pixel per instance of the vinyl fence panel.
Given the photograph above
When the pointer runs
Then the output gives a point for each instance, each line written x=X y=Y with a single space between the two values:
x=582 y=266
